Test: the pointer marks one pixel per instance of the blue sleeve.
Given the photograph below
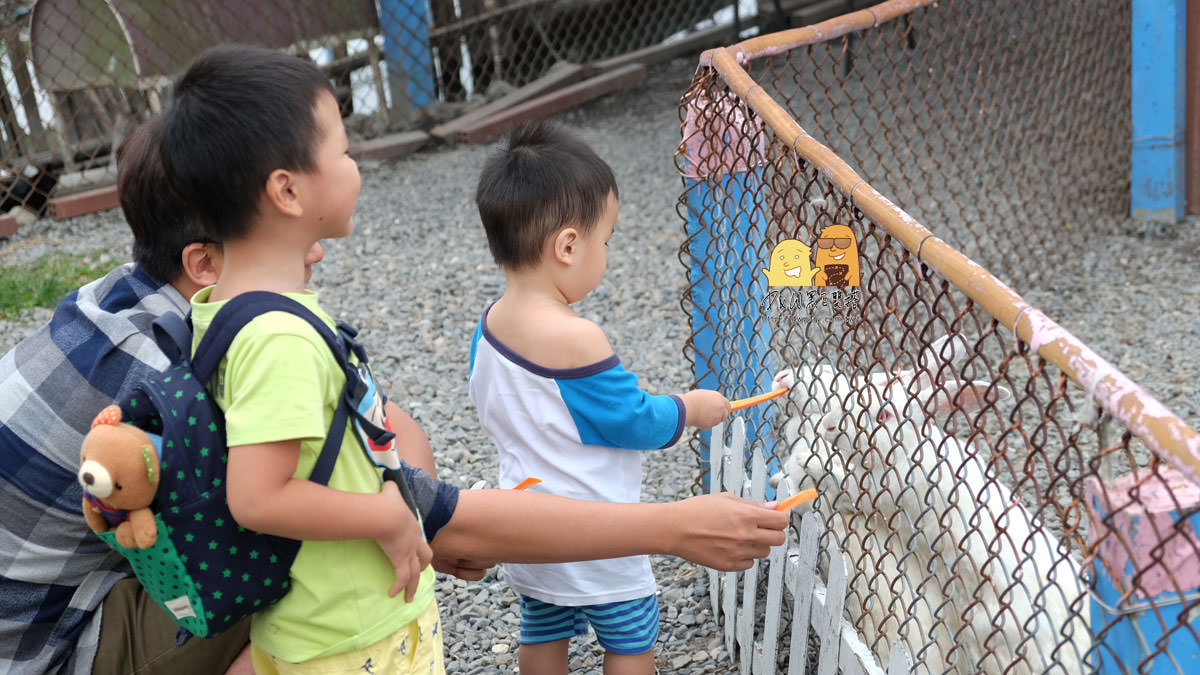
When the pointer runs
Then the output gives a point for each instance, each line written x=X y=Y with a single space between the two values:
x=610 y=410
x=436 y=500
x=474 y=343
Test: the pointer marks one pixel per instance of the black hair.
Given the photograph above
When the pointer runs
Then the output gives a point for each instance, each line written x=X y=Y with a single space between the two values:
x=235 y=115
x=161 y=228
x=541 y=179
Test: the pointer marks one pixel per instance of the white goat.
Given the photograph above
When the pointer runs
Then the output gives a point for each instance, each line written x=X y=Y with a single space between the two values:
x=997 y=566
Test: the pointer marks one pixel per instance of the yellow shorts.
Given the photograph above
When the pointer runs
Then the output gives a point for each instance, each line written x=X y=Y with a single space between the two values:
x=415 y=649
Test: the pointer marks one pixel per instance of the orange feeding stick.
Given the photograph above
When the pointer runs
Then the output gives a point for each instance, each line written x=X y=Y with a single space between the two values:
x=796 y=500
x=527 y=483
x=752 y=400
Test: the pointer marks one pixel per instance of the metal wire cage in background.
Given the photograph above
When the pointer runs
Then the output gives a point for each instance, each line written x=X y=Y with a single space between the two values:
x=79 y=74
x=1008 y=501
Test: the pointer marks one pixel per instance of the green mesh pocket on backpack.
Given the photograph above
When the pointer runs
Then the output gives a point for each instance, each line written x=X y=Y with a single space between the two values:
x=165 y=577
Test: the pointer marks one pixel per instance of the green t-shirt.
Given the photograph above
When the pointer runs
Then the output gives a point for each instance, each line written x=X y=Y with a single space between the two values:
x=277 y=382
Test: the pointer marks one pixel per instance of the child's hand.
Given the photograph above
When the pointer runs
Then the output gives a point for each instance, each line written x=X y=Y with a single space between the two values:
x=403 y=544
x=705 y=408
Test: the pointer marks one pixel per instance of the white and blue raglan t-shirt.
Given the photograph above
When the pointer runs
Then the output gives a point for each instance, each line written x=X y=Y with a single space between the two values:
x=579 y=430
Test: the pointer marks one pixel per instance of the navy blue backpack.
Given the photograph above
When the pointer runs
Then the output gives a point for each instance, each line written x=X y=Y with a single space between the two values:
x=205 y=570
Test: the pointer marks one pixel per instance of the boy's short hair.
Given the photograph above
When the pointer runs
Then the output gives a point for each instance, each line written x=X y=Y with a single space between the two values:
x=541 y=179
x=235 y=115
x=161 y=229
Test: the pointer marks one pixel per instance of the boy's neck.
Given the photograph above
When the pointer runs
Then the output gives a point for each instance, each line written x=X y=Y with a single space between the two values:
x=262 y=261
x=532 y=286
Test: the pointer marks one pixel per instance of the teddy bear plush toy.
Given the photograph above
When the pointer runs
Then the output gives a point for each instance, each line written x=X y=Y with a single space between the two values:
x=119 y=469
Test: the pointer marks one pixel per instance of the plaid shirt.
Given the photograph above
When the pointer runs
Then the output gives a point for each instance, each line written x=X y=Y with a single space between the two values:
x=54 y=572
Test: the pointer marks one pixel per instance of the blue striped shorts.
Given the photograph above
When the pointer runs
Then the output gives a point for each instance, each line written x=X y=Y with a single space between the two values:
x=629 y=627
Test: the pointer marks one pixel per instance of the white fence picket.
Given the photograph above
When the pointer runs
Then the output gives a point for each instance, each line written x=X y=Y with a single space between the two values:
x=765 y=651
x=734 y=473
x=815 y=603
x=716 y=464
x=802 y=578
x=746 y=615
x=829 y=630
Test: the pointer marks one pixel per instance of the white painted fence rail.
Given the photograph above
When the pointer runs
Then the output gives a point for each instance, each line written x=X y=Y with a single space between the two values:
x=816 y=603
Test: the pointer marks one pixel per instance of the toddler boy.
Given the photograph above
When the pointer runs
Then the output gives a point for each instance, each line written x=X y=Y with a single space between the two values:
x=555 y=399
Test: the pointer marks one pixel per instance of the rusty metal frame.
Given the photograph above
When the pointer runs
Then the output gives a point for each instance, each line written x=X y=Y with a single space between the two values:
x=1168 y=436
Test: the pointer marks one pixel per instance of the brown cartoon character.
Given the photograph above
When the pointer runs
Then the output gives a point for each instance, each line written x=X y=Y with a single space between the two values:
x=837 y=257
x=118 y=469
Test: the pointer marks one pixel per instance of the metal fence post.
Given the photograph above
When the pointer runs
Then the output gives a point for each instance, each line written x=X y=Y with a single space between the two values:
x=1146 y=569
x=406 y=49
x=726 y=234
x=1157 y=180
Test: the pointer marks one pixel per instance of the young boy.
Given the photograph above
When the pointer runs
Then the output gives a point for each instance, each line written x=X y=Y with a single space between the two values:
x=554 y=398
x=253 y=142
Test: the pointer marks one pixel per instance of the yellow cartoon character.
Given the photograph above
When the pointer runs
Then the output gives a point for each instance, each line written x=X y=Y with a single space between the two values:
x=837 y=257
x=790 y=265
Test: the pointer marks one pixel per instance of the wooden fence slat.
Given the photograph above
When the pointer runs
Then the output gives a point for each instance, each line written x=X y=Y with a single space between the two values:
x=557 y=78
x=747 y=614
x=716 y=462
x=18 y=59
x=802 y=570
x=766 y=651
x=898 y=661
x=550 y=103
x=89 y=201
x=831 y=629
x=735 y=471
x=389 y=146
x=849 y=663
x=817 y=604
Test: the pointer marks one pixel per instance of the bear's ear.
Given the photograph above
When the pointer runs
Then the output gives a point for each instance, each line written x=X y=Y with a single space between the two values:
x=110 y=415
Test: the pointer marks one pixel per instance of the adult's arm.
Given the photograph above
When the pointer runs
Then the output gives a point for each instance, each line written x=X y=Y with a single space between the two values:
x=719 y=531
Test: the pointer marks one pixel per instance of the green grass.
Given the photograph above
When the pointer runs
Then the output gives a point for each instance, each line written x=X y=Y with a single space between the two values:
x=44 y=281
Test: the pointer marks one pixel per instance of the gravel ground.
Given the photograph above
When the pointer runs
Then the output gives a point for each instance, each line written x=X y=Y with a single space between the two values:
x=417 y=274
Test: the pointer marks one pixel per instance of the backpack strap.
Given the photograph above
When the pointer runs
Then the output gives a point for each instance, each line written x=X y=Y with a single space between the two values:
x=173 y=334
x=238 y=312
x=234 y=316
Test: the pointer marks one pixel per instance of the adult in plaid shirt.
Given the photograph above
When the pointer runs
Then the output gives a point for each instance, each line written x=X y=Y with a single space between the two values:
x=59 y=584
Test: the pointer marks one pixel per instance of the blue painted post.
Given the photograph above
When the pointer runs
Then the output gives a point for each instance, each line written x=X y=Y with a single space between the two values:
x=1146 y=570
x=726 y=242
x=409 y=58
x=1157 y=179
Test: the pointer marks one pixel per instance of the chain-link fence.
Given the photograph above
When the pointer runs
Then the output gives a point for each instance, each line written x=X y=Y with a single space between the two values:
x=1009 y=501
x=79 y=74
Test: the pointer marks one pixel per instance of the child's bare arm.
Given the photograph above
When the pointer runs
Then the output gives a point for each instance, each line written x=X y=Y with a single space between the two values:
x=705 y=408
x=411 y=441
x=263 y=496
x=719 y=531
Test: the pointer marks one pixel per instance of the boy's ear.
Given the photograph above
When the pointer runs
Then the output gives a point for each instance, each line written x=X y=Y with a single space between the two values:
x=282 y=192
x=564 y=243
x=201 y=263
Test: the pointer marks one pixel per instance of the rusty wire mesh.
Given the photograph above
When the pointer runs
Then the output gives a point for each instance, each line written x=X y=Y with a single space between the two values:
x=1004 y=127
x=79 y=74
x=997 y=518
